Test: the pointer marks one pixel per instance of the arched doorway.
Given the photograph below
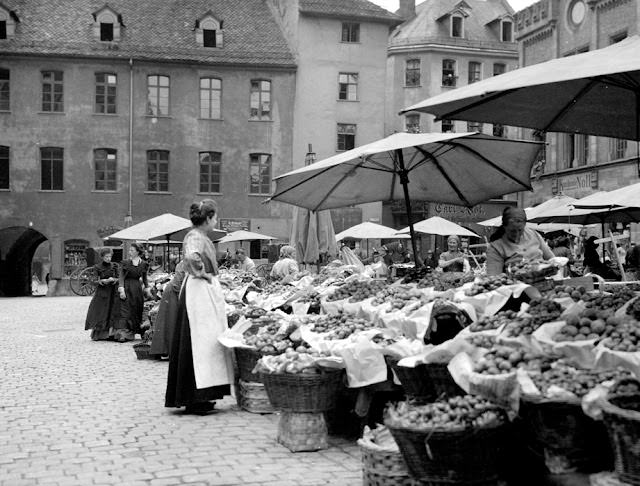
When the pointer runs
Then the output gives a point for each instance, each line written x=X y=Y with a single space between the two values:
x=17 y=247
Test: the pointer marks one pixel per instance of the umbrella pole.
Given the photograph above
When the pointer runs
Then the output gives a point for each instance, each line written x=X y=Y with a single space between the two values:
x=404 y=180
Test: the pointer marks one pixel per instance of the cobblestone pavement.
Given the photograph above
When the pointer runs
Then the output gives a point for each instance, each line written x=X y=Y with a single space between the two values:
x=77 y=412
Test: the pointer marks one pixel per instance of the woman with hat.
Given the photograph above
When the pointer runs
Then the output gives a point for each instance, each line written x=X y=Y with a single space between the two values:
x=514 y=242
x=453 y=260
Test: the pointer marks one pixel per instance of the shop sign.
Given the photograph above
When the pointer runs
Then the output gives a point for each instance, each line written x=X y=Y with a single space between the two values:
x=463 y=214
x=575 y=182
x=105 y=231
x=229 y=225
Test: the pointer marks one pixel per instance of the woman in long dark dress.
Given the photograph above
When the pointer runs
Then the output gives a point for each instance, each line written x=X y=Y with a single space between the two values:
x=200 y=368
x=133 y=275
x=104 y=308
x=165 y=323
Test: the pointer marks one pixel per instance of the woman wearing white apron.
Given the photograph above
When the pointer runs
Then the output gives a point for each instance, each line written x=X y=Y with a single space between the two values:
x=200 y=368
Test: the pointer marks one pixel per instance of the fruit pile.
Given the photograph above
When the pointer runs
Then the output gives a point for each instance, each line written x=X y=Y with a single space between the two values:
x=611 y=301
x=416 y=274
x=357 y=290
x=530 y=270
x=442 y=281
x=453 y=413
x=292 y=361
x=503 y=359
x=624 y=337
x=634 y=310
x=590 y=324
x=577 y=381
x=272 y=337
x=635 y=286
x=576 y=293
x=339 y=326
x=486 y=323
x=482 y=341
x=488 y=283
x=540 y=312
x=398 y=296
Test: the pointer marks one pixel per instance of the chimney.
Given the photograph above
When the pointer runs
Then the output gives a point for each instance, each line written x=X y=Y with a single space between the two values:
x=407 y=9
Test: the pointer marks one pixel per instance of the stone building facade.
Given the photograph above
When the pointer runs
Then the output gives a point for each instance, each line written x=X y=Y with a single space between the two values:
x=111 y=114
x=577 y=165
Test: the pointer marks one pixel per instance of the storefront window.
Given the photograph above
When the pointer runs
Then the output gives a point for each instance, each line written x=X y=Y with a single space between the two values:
x=75 y=255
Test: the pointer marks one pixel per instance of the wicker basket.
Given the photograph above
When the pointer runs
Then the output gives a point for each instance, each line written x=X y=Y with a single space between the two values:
x=621 y=416
x=535 y=276
x=303 y=392
x=570 y=440
x=142 y=350
x=383 y=468
x=425 y=382
x=462 y=457
x=247 y=359
x=253 y=398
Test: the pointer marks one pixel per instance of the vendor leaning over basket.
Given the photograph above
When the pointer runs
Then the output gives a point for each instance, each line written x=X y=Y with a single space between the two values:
x=200 y=369
x=513 y=242
x=286 y=265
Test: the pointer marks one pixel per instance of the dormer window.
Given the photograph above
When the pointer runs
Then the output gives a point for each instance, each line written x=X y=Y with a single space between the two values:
x=506 y=31
x=106 y=27
x=457 y=26
x=106 y=31
x=8 y=20
x=209 y=31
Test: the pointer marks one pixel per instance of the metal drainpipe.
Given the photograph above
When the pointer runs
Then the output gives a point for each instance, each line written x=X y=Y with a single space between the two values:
x=129 y=217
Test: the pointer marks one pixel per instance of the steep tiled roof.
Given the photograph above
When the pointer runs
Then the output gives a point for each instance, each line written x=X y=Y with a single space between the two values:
x=351 y=9
x=424 y=24
x=160 y=30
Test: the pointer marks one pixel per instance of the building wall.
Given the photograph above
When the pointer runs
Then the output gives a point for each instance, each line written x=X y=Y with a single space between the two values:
x=318 y=110
x=78 y=211
x=431 y=59
x=604 y=22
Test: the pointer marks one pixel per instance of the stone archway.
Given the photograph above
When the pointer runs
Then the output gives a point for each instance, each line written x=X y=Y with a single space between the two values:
x=17 y=246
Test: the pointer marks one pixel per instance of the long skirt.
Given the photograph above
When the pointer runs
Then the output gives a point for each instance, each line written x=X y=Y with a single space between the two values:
x=103 y=313
x=165 y=323
x=131 y=309
x=181 y=381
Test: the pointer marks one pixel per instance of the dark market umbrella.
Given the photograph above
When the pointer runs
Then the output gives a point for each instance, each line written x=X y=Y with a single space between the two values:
x=463 y=169
x=594 y=93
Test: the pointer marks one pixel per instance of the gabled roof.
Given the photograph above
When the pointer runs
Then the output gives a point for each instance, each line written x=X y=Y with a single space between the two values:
x=159 y=30
x=348 y=9
x=425 y=25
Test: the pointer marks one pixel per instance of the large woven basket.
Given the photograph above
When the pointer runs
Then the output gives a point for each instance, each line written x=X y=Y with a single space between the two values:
x=303 y=392
x=425 y=382
x=621 y=416
x=246 y=359
x=383 y=468
x=569 y=439
x=461 y=457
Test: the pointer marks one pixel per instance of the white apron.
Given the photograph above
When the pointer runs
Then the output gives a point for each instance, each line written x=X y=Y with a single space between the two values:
x=212 y=363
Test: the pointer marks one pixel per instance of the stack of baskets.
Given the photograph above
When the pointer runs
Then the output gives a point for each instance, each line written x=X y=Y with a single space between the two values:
x=303 y=399
x=621 y=415
x=300 y=392
x=425 y=382
x=568 y=439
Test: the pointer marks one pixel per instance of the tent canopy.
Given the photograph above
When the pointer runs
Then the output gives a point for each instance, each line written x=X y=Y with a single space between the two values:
x=369 y=231
x=164 y=227
x=242 y=235
x=439 y=226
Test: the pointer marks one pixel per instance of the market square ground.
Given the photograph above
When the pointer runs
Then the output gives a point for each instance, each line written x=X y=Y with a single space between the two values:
x=77 y=412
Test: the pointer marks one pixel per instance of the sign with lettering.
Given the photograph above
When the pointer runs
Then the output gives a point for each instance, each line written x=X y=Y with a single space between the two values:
x=108 y=230
x=575 y=182
x=229 y=224
x=462 y=214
